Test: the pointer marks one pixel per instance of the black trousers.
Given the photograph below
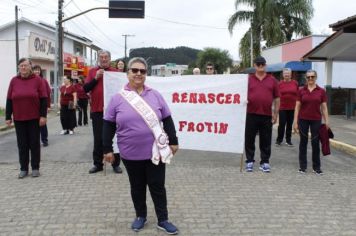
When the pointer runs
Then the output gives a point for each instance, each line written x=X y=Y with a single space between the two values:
x=44 y=134
x=82 y=113
x=97 y=122
x=28 y=140
x=304 y=126
x=141 y=174
x=67 y=118
x=285 y=125
x=263 y=125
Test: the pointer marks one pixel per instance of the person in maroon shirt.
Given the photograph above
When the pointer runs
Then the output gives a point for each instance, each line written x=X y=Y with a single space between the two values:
x=310 y=108
x=288 y=89
x=67 y=104
x=121 y=65
x=263 y=92
x=37 y=70
x=27 y=103
x=82 y=102
x=95 y=87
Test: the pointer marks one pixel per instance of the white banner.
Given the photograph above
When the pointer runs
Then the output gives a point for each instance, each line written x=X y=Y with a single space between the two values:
x=209 y=111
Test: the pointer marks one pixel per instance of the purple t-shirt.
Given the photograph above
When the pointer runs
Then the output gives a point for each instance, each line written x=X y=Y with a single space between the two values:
x=135 y=139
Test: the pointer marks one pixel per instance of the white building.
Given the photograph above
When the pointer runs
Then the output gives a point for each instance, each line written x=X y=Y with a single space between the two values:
x=37 y=42
x=169 y=69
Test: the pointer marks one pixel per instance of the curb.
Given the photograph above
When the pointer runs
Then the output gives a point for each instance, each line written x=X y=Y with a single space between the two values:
x=344 y=147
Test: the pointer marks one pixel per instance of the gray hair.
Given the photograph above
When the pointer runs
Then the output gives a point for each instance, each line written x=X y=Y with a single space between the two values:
x=286 y=69
x=103 y=52
x=137 y=59
x=311 y=71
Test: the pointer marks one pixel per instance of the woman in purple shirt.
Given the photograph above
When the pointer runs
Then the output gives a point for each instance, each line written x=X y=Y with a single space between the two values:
x=135 y=140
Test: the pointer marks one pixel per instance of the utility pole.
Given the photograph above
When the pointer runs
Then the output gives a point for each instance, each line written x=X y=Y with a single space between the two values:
x=17 y=36
x=127 y=35
x=251 y=49
x=58 y=60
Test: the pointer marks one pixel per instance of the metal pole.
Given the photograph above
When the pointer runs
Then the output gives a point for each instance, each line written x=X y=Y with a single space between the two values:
x=127 y=35
x=17 y=36
x=251 y=49
x=55 y=85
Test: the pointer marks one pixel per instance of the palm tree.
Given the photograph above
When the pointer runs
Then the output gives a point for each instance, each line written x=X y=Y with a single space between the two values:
x=273 y=21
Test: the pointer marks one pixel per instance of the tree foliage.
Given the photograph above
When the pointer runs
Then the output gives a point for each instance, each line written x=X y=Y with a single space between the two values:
x=156 y=56
x=220 y=58
x=273 y=21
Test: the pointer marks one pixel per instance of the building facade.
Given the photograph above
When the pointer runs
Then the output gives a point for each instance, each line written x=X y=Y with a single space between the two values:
x=169 y=69
x=37 y=42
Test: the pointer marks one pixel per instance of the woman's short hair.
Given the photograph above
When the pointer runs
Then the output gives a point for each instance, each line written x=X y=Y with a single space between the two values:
x=311 y=71
x=37 y=67
x=104 y=52
x=24 y=59
x=137 y=59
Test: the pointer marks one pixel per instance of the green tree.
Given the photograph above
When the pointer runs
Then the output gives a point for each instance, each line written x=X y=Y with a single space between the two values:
x=273 y=21
x=220 y=58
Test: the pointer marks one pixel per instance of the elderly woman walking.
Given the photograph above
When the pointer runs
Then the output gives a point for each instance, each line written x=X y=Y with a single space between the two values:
x=136 y=114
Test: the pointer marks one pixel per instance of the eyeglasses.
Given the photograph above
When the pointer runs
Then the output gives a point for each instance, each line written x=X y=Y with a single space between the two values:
x=136 y=70
x=311 y=77
x=210 y=68
x=260 y=64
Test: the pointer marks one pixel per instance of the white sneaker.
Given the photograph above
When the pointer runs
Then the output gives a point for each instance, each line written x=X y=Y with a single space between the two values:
x=71 y=132
x=63 y=132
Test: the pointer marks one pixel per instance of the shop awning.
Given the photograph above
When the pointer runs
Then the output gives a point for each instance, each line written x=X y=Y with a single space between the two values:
x=278 y=67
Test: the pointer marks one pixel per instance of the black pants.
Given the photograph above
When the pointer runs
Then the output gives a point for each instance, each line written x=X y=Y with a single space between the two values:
x=67 y=118
x=44 y=134
x=285 y=125
x=141 y=174
x=263 y=125
x=97 y=121
x=82 y=113
x=304 y=126
x=28 y=140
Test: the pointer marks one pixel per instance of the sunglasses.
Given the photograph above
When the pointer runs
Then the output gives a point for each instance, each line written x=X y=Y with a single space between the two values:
x=136 y=70
x=260 y=64
x=311 y=77
x=210 y=68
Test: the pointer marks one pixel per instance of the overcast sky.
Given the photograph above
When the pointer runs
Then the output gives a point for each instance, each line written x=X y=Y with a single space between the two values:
x=168 y=23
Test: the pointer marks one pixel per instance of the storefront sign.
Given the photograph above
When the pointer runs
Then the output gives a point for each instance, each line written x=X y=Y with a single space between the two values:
x=41 y=47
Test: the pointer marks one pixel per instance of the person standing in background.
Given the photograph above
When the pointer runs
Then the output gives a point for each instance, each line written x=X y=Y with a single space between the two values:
x=82 y=102
x=37 y=70
x=26 y=105
x=209 y=69
x=121 y=65
x=94 y=85
x=288 y=89
x=67 y=104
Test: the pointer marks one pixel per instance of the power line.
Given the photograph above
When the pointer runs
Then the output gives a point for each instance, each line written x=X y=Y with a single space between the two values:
x=187 y=24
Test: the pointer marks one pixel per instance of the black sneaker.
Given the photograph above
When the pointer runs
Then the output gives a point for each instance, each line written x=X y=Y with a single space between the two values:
x=278 y=144
x=289 y=144
x=117 y=169
x=95 y=169
x=318 y=172
x=302 y=171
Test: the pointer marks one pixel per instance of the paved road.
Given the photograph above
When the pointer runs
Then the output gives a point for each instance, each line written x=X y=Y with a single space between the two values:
x=207 y=195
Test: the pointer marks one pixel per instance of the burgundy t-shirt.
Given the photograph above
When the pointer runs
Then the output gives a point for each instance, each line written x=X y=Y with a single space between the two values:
x=25 y=94
x=80 y=92
x=67 y=94
x=97 y=93
x=310 y=103
x=261 y=94
x=289 y=92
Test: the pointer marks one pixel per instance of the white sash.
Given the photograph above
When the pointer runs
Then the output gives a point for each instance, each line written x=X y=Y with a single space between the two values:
x=160 y=148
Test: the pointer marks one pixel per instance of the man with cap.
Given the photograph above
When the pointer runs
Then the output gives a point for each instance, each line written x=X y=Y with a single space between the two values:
x=263 y=92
